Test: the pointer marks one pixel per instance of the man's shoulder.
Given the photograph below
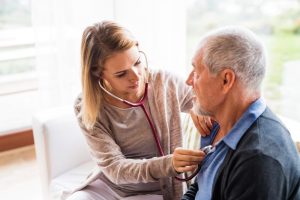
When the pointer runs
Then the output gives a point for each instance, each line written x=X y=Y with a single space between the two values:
x=265 y=134
x=269 y=137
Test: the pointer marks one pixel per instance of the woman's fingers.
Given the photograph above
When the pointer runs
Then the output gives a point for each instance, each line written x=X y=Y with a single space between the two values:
x=186 y=163
x=183 y=151
x=204 y=126
x=202 y=123
x=189 y=157
x=191 y=168
x=208 y=122
x=185 y=160
x=197 y=123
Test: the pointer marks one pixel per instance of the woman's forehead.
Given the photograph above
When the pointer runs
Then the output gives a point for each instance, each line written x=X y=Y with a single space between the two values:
x=122 y=60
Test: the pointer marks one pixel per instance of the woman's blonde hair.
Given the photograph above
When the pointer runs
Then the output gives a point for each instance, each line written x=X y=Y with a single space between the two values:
x=99 y=42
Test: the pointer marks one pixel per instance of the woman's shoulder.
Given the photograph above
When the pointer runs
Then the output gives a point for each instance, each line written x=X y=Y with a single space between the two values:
x=78 y=104
x=170 y=85
x=78 y=107
x=78 y=110
x=163 y=76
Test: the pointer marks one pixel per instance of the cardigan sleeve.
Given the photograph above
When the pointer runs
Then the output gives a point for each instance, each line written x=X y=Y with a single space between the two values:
x=176 y=89
x=184 y=94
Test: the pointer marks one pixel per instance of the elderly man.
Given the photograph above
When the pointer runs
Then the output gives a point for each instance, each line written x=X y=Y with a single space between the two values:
x=252 y=154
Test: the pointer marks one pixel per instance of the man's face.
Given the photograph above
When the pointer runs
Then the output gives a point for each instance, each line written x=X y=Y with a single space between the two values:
x=206 y=86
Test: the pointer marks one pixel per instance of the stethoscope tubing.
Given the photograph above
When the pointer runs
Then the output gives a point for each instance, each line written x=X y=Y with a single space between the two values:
x=142 y=105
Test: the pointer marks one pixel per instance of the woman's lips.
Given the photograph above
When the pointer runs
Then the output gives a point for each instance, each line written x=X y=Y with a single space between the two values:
x=134 y=86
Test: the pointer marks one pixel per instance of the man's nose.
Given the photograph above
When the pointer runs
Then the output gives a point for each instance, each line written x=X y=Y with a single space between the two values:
x=189 y=80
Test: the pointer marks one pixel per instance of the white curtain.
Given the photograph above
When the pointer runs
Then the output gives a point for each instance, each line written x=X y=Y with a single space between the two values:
x=159 y=25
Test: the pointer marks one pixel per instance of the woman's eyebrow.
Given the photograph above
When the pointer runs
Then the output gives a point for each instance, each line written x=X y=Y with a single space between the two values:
x=122 y=71
x=138 y=59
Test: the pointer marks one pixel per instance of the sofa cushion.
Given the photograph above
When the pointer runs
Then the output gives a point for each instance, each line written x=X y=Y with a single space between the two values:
x=70 y=179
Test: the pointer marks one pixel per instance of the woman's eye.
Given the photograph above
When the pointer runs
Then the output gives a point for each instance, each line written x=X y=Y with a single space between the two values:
x=138 y=62
x=121 y=75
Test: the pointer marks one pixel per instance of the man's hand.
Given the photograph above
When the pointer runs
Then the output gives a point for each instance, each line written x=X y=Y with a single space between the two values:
x=202 y=123
x=186 y=160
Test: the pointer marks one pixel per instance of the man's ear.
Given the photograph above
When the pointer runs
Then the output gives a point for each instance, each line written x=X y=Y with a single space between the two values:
x=228 y=77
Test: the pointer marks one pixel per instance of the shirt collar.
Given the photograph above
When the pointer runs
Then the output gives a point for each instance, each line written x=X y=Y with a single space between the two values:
x=242 y=125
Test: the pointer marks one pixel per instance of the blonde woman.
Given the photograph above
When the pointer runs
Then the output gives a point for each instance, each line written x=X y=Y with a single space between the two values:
x=130 y=117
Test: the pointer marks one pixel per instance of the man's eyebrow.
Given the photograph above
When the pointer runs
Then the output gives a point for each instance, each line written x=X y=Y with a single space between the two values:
x=193 y=64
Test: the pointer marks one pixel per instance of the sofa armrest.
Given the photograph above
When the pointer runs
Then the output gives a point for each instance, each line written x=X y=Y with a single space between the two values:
x=59 y=143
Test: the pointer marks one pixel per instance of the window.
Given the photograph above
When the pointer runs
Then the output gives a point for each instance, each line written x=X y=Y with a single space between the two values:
x=16 y=45
x=277 y=22
x=58 y=29
x=17 y=65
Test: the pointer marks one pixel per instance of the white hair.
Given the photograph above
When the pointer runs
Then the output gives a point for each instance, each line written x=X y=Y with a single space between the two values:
x=238 y=49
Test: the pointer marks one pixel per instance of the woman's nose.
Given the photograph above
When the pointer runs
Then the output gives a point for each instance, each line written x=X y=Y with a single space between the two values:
x=134 y=74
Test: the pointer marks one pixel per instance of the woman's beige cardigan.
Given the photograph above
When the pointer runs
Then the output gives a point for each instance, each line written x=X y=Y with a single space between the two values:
x=168 y=96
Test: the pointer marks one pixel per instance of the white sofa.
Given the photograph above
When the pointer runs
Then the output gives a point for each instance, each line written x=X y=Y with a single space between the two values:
x=62 y=154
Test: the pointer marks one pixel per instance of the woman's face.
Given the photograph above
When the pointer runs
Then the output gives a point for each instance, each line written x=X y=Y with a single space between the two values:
x=123 y=74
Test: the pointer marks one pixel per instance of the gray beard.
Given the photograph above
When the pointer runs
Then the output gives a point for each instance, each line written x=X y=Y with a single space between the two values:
x=198 y=110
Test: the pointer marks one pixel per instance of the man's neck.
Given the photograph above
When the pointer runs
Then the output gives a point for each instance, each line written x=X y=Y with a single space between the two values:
x=231 y=111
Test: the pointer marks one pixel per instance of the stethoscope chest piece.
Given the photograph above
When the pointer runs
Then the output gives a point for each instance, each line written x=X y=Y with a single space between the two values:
x=208 y=149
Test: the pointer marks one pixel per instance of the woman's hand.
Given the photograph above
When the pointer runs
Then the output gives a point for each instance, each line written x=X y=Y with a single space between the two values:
x=186 y=160
x=202 y=123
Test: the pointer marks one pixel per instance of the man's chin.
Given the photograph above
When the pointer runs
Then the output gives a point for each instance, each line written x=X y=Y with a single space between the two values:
x=198 y=110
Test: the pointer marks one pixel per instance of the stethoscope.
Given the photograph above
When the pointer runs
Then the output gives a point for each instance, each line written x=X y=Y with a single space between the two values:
x=141 y=104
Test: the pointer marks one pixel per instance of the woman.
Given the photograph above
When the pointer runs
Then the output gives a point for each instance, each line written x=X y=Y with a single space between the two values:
x=134 y=158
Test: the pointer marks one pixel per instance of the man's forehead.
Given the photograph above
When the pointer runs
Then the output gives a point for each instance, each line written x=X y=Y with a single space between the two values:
x=197 y=59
